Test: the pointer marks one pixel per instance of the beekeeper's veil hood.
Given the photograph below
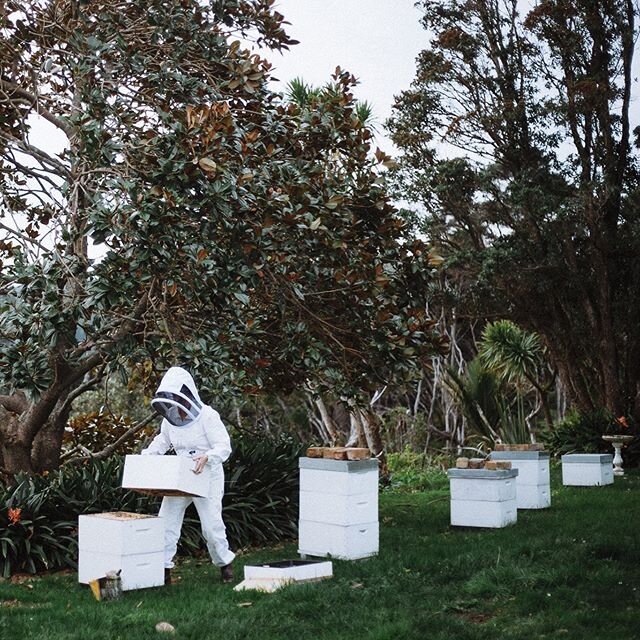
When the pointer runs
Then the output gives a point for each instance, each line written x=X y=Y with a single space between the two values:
x=177 y=398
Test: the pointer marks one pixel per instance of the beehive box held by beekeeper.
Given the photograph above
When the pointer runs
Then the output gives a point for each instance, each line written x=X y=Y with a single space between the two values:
x=164 y=475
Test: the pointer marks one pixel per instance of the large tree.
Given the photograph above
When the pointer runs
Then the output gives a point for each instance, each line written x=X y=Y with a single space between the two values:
x=517 y=142
x=193 y=216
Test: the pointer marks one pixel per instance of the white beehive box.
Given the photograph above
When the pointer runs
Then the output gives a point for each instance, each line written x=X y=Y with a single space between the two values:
x=338 y=508
x=347 y=477
x=164 y=475
x=587 y=469
x=119 y=541
x=533 y=481
x=338 y=541
x=273 y=576
x=295 y=570
x=483 y=498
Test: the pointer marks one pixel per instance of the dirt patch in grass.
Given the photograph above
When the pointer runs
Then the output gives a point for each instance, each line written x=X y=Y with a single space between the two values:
x=474 y=617
x=8 y=604
x=14 y=603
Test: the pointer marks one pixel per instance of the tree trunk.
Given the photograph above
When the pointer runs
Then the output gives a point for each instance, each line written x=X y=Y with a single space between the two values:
x=327 y=421
x=15 y=451
x=371 y=427
x=47 y=445
x=357 y=437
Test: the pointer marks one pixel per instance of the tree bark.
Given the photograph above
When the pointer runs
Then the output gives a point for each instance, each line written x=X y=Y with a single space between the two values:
x=371 y=428
x=327 y=421
x=15 y=450
x=357 y=437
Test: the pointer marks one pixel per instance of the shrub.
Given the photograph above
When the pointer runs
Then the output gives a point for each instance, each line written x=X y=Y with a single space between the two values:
x=94 y=486
x=262 y=491
x=411 y=471
x=39 y=514
x=30 y=539
x=261 y=494
x=583 y=433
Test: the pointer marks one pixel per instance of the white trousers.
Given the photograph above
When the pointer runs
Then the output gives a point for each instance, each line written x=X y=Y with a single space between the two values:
x=210 y=513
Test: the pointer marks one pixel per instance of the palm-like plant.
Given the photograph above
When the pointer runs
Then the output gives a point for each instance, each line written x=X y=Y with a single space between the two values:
x=517 y=357
x=490 y=415
x=303 y=94
x=476 y=394
x=364 y=113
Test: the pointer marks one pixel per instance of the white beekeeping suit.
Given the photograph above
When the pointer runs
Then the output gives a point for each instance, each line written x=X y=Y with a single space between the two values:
x=194 y=430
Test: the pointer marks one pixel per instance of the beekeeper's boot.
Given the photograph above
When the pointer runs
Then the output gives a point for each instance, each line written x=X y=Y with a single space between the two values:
x=226 y=573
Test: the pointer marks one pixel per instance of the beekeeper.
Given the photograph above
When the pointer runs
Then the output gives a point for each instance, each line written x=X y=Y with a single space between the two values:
x=194 y=430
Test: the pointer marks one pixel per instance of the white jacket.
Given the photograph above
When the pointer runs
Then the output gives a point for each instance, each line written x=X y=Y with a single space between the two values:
x=205 y=434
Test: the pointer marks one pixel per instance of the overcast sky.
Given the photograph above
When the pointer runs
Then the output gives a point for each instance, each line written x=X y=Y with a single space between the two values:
x=376 y=40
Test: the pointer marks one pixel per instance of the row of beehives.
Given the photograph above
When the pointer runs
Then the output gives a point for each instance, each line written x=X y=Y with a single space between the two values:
x=488 y=493
x=338 y=505
x=338 y=514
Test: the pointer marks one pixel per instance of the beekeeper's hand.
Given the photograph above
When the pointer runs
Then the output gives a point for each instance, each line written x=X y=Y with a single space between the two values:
x=200 y=461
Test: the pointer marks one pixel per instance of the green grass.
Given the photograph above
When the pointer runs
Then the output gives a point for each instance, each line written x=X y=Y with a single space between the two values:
x=568 y=572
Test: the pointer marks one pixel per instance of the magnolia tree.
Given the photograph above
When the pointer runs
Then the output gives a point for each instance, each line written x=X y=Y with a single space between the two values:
x=193 y=217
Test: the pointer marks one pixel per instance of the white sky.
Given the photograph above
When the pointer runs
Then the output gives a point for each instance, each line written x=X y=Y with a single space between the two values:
x=375 y=40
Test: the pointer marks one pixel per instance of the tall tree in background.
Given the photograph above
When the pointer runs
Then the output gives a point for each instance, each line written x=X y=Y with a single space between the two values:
x=234 y=233
x=517 y=143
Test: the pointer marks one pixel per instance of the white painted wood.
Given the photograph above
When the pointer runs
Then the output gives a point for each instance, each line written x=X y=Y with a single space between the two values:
x=483 y=497
x=531 y=471
x=138 y=571
x=267 y=585
x=120 y=533
x=298 y=573
x=483 y=489
x=346 y=543
x=480 y=513
x=164 y=473
x=533 y=483
x=587 y=470
x=533 y=496
x=335 y=482
x=339 y=509
x=119 y=541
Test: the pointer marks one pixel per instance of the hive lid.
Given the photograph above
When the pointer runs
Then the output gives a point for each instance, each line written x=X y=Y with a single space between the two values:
x=588 y=458
x=519 y=455
x=348 y=466
x=483 y=474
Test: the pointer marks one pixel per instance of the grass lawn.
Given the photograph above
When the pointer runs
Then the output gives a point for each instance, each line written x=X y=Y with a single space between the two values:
x=570 y=572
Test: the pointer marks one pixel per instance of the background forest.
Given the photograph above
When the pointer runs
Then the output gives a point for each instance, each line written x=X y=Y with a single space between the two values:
x=197 y=217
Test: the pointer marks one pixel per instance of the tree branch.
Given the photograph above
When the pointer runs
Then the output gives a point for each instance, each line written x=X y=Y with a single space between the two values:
x=15 y=93
x=15 y=403
x=108 y=450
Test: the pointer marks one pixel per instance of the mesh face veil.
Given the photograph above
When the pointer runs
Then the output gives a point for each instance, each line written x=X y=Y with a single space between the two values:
x=179 y=408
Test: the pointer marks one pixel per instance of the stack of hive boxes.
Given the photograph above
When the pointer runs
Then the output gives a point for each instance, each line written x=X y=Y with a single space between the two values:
x=338 y=503
x=483 y=493
x=533 y=484
x=130 y=543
